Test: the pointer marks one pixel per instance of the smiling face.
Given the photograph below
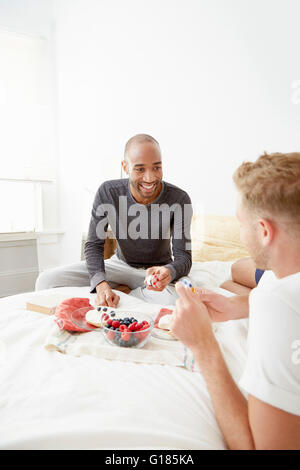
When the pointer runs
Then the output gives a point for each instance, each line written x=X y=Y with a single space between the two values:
x=144 y=169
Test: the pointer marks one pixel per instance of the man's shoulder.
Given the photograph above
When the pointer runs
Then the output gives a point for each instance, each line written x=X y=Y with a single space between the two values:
x=118 y=186
x=278 y=295
x=179 y=193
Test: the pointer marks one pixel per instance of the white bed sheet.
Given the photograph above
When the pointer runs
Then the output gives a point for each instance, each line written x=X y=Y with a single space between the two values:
x=50 y=400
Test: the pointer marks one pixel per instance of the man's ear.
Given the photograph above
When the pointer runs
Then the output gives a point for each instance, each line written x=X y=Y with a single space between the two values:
x=266 y=231
x=125 y=166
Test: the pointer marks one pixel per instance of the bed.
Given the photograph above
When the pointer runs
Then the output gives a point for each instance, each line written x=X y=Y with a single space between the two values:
x=52 y=398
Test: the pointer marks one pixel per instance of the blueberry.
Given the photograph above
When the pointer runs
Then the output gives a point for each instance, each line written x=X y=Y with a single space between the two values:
x=133 y=341
x=98 y=308
x=112 y=314
x=126 y=319
x=104 y=309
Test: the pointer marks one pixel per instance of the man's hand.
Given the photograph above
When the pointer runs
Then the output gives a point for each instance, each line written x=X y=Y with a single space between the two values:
x=222 y=308
x=164 y=277
x=105 y=295
x=191 y=322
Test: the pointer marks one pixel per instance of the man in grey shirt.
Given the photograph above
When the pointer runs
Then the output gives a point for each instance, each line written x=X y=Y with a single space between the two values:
x=144 y=213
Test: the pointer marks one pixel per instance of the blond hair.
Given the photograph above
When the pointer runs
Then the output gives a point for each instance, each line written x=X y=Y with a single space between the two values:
x=271 y=185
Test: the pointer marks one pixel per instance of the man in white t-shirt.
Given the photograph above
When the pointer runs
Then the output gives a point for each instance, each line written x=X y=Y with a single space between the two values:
x=269 y=214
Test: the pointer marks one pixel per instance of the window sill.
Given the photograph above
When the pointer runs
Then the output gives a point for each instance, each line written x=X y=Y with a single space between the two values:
x=13 y=236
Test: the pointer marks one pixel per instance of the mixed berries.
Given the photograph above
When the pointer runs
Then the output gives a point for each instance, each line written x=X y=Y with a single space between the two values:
x=126 y=332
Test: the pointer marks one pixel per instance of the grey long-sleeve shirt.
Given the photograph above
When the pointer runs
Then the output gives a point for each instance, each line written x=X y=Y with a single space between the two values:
x=144 y=232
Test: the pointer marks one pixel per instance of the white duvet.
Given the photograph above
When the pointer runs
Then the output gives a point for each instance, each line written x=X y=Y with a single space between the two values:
x=50 y=400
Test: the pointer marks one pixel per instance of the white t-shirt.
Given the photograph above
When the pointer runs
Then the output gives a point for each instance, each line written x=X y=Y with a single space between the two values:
x=272 y=371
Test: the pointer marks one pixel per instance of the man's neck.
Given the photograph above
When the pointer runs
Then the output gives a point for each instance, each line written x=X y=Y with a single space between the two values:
x=287 y=263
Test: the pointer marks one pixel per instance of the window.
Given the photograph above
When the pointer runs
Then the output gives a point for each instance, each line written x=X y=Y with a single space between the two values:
x=21 y=210
x=25 y=123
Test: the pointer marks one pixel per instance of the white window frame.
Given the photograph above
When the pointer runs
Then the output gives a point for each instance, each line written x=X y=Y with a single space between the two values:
x=36 y=175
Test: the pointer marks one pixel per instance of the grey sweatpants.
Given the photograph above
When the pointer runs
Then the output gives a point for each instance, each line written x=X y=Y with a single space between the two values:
x=117 y=272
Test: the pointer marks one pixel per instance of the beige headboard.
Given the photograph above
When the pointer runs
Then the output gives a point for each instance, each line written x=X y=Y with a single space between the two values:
x=216 y=237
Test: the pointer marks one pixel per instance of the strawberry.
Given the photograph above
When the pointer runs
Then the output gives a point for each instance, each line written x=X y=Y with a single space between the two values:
x=110 y=334
x=116 y=324
x=145 y=327
x=132 y=327
x=125 y=335
x=109 y=322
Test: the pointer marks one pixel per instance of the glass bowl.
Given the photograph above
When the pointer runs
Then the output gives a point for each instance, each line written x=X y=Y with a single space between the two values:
x=130 y=330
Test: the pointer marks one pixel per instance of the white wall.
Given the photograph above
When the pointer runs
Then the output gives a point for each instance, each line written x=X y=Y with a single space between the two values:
x=36 y=17
x=210 y=79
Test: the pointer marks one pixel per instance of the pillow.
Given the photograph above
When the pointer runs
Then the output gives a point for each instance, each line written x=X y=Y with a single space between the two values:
x=216 y=237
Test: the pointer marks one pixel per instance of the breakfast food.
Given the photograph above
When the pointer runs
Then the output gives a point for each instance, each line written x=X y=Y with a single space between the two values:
x=94 y=318
x=165 y=322
x=122 y=328
x=126 y=332
x=162 y=325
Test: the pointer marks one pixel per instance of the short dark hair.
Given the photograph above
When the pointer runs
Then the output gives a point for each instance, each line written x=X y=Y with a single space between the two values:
x=139 y=139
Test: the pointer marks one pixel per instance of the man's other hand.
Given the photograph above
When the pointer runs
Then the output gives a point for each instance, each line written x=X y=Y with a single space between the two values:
x=163 y=277
x=106 y=296
x=191 y=322
x=222 y=308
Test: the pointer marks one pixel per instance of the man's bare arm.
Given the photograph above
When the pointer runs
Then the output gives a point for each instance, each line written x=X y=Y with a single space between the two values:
x=231 y=407
x=253 y=425
x=222 y=308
